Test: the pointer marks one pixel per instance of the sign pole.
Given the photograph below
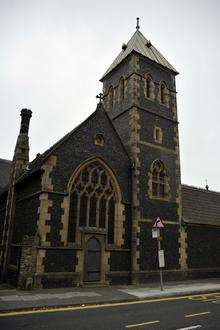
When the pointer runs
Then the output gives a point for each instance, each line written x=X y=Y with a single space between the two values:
x=160 y=269
x=161 y=261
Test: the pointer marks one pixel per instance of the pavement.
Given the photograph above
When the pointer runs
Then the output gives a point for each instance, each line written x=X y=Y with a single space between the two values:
x=12 y=299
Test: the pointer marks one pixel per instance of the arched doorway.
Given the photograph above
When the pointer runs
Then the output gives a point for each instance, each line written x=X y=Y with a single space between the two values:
x=92 y=264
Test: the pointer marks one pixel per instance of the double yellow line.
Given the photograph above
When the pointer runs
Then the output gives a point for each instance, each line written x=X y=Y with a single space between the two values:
x=75 y=308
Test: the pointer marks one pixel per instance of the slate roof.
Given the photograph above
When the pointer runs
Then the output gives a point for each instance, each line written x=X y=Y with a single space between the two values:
x=5 y=166
x=138 y=43
x=200 y=206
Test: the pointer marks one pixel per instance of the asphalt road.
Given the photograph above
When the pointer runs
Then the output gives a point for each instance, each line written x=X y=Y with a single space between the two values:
x=195 y=312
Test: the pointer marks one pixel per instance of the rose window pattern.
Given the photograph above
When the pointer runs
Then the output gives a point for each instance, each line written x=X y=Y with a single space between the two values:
x=92 y=201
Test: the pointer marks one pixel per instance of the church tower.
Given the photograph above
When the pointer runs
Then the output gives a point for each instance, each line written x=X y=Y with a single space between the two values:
x=139 y=95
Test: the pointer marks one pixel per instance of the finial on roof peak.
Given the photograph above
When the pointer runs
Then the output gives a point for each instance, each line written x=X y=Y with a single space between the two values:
x=206 y=186
x=138 y=26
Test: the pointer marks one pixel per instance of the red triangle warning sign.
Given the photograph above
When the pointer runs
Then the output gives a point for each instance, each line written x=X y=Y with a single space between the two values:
x=158 y=223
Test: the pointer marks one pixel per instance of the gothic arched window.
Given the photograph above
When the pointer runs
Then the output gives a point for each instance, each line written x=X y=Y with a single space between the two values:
x=93 y=202
x=159 y=181
x=121 y=89
x=162 y=93
x=149 y=87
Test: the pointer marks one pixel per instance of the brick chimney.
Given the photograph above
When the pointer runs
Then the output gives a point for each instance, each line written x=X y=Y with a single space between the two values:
x=21 y=154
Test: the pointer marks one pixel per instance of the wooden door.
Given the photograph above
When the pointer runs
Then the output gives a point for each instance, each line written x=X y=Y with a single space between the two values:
x=92 y=265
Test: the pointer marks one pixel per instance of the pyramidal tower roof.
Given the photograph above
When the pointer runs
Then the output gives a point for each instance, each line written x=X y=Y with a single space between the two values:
x=141 y=45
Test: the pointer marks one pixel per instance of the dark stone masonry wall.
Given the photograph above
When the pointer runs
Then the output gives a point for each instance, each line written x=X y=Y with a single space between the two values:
x=80 y=147
x=203 y=246
x=127 y=227
x=151 y=208
x=26 y=216
x=3 y=201
x=148 y=247
x=120 y=261
x=149 y=121
x=158 y=74
x=60 y=260
x=2 y=219
x=29 y=187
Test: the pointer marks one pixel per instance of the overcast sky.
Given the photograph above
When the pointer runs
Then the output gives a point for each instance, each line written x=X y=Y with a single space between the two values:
x=53 y=53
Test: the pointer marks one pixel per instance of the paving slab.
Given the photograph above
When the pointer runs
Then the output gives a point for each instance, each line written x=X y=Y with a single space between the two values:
x=13 y=299
x=176 y=290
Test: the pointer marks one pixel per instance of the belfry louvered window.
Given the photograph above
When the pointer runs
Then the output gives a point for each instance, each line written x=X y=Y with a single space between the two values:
x=93 y=201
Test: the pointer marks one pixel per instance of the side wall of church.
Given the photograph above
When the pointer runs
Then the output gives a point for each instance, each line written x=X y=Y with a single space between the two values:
x=203 y=250
x=3 y=201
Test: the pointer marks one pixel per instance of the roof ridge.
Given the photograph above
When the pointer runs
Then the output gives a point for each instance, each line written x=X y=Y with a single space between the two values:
x=118 y=136
x=199 y=188
x=5 y=160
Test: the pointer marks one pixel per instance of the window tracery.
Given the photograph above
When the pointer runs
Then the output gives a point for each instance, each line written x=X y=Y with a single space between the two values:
x=93 y=200
x=164 y=94
x=159 y=185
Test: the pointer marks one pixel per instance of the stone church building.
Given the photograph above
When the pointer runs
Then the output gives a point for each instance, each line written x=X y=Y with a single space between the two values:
x=83 y=210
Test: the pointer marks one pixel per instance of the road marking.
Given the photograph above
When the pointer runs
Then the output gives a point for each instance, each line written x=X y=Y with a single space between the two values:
x=140 y=324
x=192 y=327
x=216 y=301
x=213 y=297
x=75 y=308
x=197 y=314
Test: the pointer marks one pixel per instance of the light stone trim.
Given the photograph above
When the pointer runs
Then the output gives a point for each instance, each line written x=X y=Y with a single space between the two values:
x=48 y=167
x=64 y=220
x=164 y=221
x=80 y=265
x=134 y=124
x=41 y=253
x=44 y=215
x=105 y=256
x=183 y=249
x=119 y=224
x=136 y=88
